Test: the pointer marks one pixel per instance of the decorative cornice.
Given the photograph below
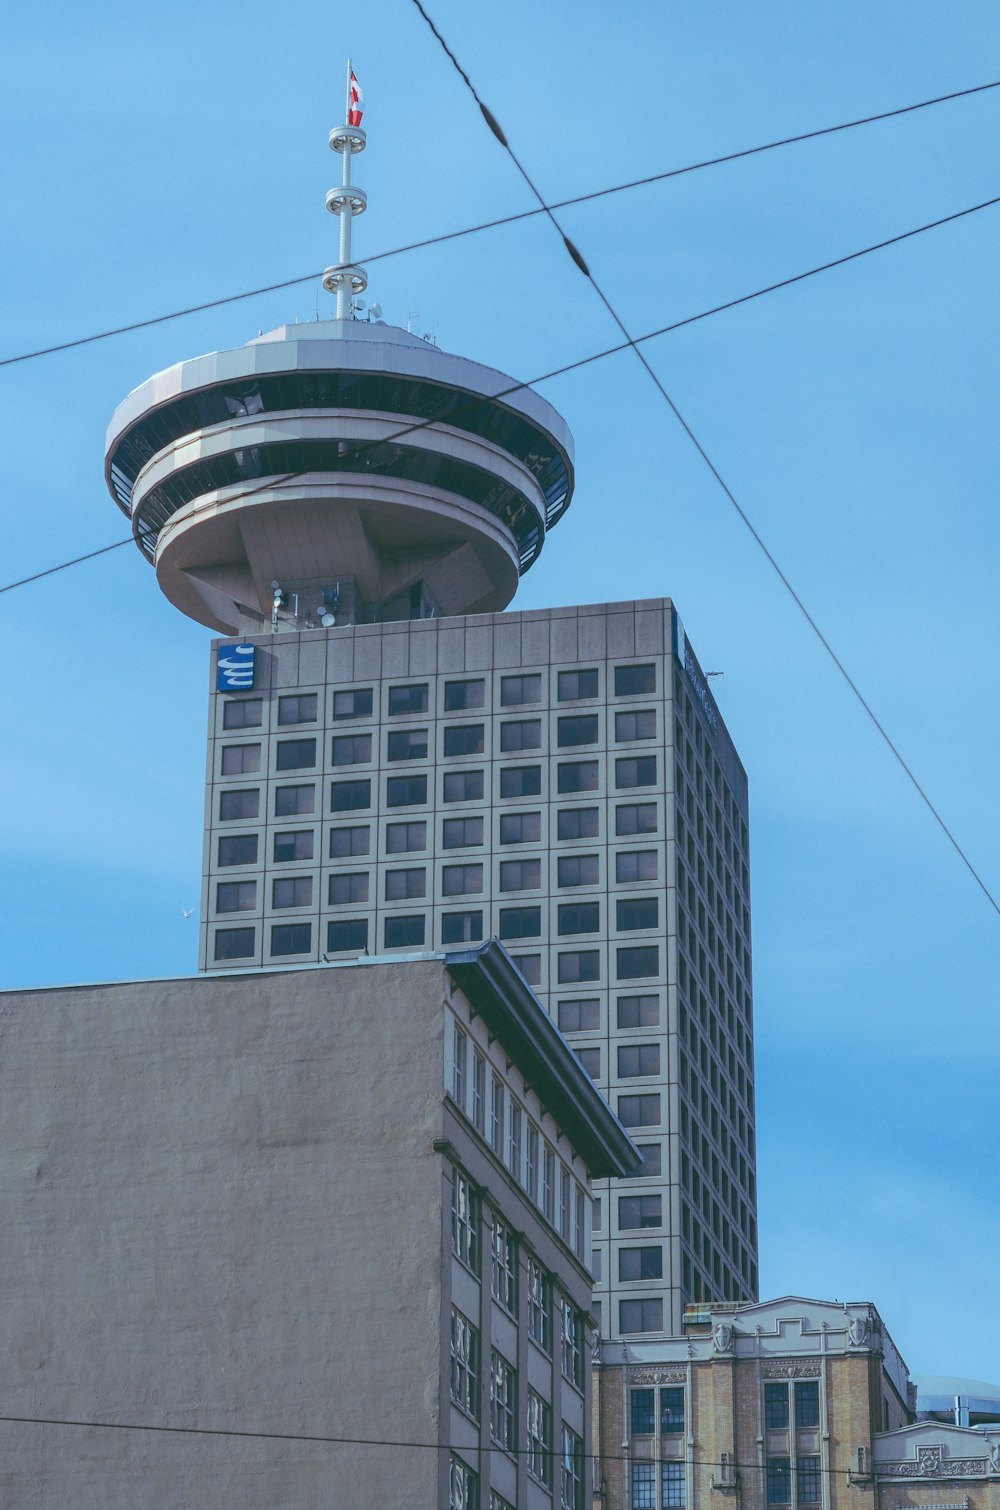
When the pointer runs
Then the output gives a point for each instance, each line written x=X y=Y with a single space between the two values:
x=781 y=1369
x=930 y=1463
x=675 y=1375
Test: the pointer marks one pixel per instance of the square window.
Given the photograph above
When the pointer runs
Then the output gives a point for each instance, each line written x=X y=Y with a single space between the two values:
x=463 y=786
x=248 y=713
x=238 y=849
x=464 y=739
x=460 y=833
x=579 y=917
x=298 y=708
x=638 y=1011
x=581 y=1015
x=349 y=936
x=345 y=843
x=577 y=965
x=461 y=927
x=234 y=943
x=403 y=885
x=651 y=1160
x=294 y=844
x=639 y=1111
x=640 y=724
x=296 y=754
x=349 y=887
x=578 y=823
x=578 y=776
x=412 y=699
x=467 y=694
x=520 y=780
x=638 y=1059
x=636 y=865
x=635 y=770
x=520 y=828
x=637 y=912
x=354 y=704
x=401 y=838
x=634 y=681
x=291 y=938
x=292 y=891
x=405 y=791
x=240 y=760
x=578 y=730
x=641 y=1263
x=461 y=880
x=530 y=966
x=235 y=896
x=345 y=796
x=515 y=690
x=636 y=818
x=407 y=744
x=520 y=875
x=234 y=805
x=575 y=685
x=351 y=749
x=520 y=922
x=404 y=932
x=578 y=870
x=291 y=800
x=635 y=963
x=640 y=1316
x=636 y=1211
x=521 y=734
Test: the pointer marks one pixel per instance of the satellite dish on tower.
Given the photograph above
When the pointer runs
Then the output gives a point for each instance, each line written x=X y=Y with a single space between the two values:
x=375 y=311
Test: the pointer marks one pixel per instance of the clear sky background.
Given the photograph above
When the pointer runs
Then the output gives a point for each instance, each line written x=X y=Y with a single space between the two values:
x=157 y=157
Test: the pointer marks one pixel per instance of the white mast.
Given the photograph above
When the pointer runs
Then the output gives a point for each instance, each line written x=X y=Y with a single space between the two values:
x=345 y=279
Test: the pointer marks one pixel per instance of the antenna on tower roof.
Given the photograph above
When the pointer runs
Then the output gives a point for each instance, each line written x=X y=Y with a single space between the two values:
x=345 y=279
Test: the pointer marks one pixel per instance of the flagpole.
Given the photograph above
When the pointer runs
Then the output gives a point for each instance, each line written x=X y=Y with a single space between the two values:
x=345 y=280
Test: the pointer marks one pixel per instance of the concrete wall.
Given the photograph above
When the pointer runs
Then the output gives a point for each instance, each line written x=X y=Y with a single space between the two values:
x=219 y=1196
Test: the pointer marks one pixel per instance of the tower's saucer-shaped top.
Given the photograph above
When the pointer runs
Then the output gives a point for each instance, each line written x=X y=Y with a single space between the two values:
x=341 y=452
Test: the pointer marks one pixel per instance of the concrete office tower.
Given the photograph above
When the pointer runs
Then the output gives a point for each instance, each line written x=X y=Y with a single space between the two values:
x=395 y=765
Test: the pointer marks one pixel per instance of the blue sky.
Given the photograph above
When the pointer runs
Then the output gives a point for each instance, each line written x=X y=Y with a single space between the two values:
x=158 y=158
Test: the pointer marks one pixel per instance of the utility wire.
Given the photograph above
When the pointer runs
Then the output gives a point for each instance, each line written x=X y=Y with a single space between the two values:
x=578 y=259
x=332 y=1441
x=489 y=225
x=596 y=356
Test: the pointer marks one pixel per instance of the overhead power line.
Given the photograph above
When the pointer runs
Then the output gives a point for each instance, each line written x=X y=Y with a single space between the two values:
x=580 y=262
x=489 y=225
x=586 y=361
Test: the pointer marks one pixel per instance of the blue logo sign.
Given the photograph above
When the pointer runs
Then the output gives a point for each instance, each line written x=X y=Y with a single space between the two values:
x=234 y=668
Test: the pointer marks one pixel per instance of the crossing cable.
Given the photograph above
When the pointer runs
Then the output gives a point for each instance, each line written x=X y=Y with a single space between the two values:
x=489 y=225
x=578 y=259
x=596 y=356
x=336 y=1441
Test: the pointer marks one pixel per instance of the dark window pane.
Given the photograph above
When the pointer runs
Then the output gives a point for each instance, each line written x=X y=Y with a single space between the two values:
x=579 y=917
x=350 y=796
x=635 y=770
x=461 y=927
x=464 y=739
x=520 y=828
x=405 y=791
x=347 y=842
x=635 y=963
x=638 y=1011
x=235 y=896
x=640 y=724
x=638 y=1059
x=238 y=804
x=520 y=875
x=404 y=932
x=574 y=685
x=296 y=754
x=463 y=786
x=530 y=966
x=246 y=714
x=234 y=943
x=352 y=934
x=400 y=885
x=578 y=870
x=643 y=1413
x=289 y=800
x=651 y=1159
x=458 y=695
x=581 y=730
x=515 y=690
x=458 y=833
x=355 y=704
x=296 y=844
x=520 y=922
x=807 y=1403
x=411 y=699
x=238 y=849
x=637 y=1211
x=637 y=865
x=578 y=823
x=350 y=887
x=779 y=1481
x=520 y=780
x=635 y=818
x=400 y=838
x=461 y=880
x=240 y=760
x=298 y=708
x=640 y=1316
x=291 y=891
x=580 y=1016
x=634 y=681
x=291 y=938
x=578 y=776
x=579 y=964
x=641 y=1263
x=775 y=1406
x=639 y=1111
x=521 y=734
x=351 y=749
x=637 y=912
x=671 y=1410
x=590 y=1059
x=407 y=744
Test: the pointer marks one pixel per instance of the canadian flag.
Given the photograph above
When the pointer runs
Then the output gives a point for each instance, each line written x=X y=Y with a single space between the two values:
x=355 y=101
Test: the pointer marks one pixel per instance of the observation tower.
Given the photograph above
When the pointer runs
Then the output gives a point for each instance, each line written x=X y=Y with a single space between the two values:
x=337 y=472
